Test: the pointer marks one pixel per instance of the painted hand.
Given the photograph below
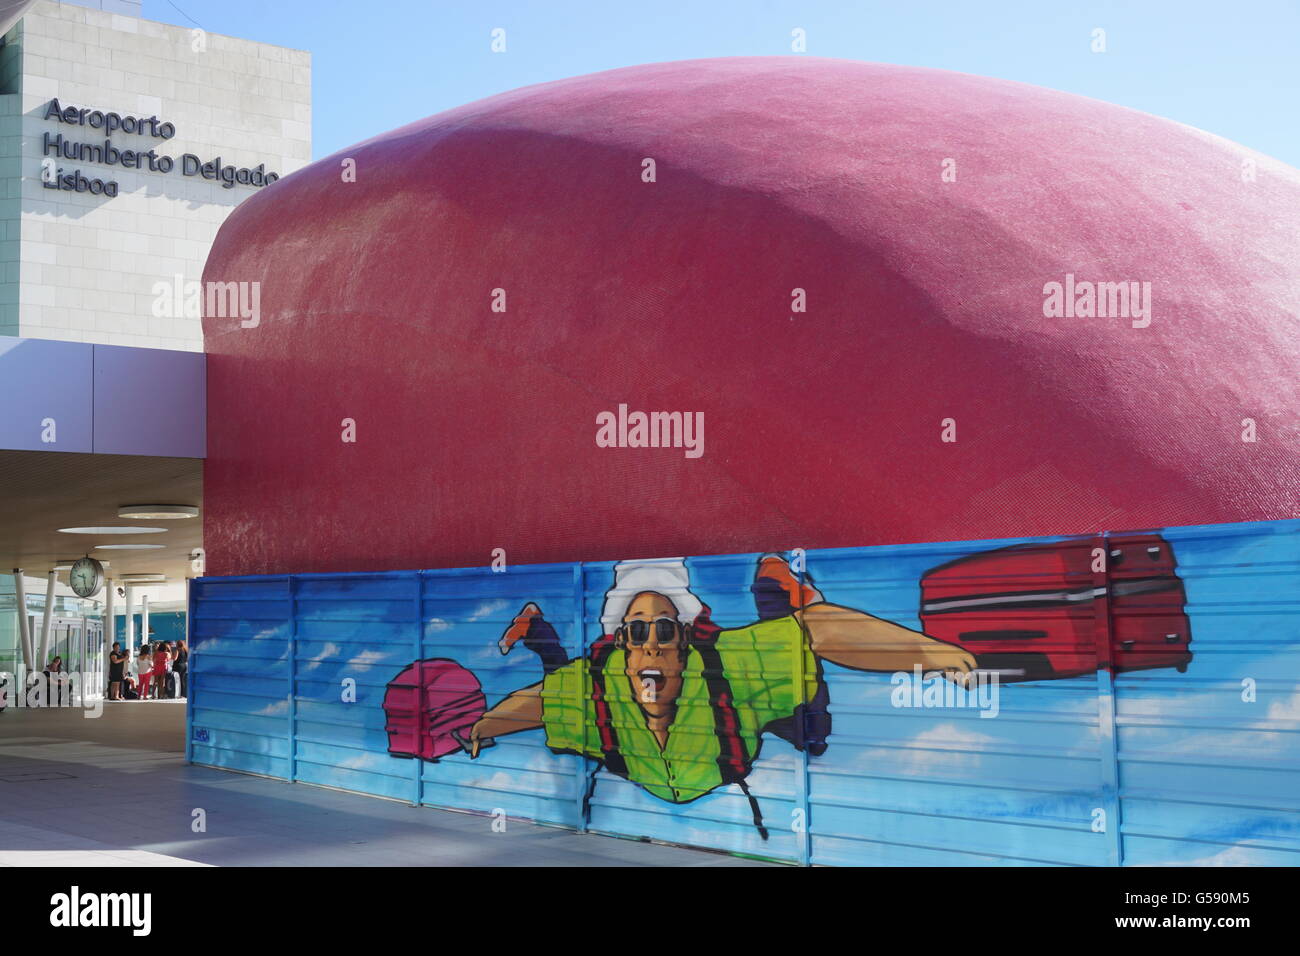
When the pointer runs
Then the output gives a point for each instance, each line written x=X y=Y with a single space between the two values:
x=955 y=663
x=519 y=627
x=475 y=740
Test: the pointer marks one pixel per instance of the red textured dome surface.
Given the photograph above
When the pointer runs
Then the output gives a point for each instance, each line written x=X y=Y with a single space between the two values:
x=925 y=301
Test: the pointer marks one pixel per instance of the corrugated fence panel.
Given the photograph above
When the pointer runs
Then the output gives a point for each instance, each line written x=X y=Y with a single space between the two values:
x=352 y=632
x=1128 y=697
x=920 y=771
x=239 y=637
x=1210 y=758
x=466 y=614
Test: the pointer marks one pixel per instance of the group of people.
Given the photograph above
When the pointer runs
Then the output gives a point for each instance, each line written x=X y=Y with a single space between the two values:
x=160 y=670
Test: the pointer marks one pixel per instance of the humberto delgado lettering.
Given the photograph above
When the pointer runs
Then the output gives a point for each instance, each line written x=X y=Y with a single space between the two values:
x=57 y=146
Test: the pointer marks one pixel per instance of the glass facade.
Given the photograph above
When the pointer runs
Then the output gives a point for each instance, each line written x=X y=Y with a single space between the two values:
x=76 y=627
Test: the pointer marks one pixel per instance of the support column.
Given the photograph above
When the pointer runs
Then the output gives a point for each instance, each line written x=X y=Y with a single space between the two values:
x=144 y=618
x=44 y=657
x=24 y=633
x=128 y=633
x=79 y=682
x=110 y=594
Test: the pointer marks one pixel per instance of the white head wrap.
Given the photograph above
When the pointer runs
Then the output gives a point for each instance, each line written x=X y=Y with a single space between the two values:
x=666 y=576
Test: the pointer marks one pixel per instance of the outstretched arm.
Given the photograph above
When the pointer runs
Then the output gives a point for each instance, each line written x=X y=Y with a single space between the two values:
x=858 y=640
x=522 y=710
x=854 y=638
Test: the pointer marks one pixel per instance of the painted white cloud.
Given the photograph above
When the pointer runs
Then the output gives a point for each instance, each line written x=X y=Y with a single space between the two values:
x=943 y=747
x=1286 y=709
x=331 y=650
x=1232 y=856
x=487 y=609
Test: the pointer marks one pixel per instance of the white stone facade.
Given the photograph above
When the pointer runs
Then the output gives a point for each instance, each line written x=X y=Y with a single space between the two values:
x=85 y=267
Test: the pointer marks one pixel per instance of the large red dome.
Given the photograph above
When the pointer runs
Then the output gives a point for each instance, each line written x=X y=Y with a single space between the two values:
x=925 y=301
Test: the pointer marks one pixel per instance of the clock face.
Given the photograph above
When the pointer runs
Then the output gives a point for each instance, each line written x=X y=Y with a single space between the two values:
x=85 y=577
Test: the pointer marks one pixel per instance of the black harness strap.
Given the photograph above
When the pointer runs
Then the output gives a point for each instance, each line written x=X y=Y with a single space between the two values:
x=753 y=807
x=614 y=761
x=734 y=759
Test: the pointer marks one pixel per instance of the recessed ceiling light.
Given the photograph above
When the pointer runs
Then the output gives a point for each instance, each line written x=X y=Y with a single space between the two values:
x=129 y=547
x=137 y=578
x=112 y=530
x=157 y=512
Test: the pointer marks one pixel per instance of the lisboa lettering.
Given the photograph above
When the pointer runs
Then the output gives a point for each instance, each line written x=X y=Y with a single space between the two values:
x=56 y=146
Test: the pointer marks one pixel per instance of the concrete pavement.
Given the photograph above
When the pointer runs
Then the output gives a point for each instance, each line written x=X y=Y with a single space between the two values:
x=115 y=791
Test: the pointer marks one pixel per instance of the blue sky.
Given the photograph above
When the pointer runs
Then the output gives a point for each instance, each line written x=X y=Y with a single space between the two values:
x=1231 y=69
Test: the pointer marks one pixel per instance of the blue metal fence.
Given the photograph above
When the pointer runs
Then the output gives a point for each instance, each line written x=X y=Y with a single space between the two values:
x=1136 y=699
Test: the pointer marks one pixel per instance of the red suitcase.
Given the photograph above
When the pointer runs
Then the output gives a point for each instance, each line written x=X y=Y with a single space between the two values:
x=1029 y=611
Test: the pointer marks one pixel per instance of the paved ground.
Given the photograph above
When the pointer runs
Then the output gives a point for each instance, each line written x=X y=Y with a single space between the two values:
x=115 y=791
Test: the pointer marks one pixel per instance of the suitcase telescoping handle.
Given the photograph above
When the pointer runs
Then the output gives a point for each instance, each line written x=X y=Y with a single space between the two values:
x=1001 y=673
x=484 y=742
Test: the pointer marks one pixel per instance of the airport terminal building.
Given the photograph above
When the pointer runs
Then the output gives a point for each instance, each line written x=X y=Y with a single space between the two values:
x=946 y=548
x=124 y=145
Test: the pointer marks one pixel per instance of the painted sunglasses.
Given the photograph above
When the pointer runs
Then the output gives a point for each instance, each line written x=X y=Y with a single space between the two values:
x=636 y=633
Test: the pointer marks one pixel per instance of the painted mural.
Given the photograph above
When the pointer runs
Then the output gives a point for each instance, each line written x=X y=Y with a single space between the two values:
x=1032 y=701
x=680 y=706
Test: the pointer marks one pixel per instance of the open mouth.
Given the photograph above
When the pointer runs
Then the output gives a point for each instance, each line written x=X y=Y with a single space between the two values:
x=655 y=675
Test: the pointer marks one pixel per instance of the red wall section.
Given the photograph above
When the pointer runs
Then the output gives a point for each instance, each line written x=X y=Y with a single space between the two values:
x=476 y=430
